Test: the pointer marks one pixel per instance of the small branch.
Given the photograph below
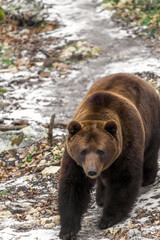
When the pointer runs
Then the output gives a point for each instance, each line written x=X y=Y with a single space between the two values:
x=50 y=135
x=11 y=128
x=41 y=152
x=60 y=124
x=57 y=124
x=57 y=163
x=45 y=53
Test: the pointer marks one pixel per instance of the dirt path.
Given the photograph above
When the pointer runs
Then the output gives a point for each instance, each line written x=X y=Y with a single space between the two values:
x=35 y=94
x=38 y=96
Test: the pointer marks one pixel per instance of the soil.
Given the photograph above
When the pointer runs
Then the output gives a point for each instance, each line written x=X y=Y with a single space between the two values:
x=41 y=82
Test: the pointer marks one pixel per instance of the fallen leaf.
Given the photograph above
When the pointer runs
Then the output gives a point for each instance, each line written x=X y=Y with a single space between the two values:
x=45 y=74
x=50 y=170
x=60 y=66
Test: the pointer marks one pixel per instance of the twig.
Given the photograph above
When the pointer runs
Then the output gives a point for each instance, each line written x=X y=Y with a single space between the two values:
x=50 y=135
x=45 y=53
x=13 y=70
x=56 y=124
x=60 y=124
x=57 y=163
x=40 y=152
x=11 y=128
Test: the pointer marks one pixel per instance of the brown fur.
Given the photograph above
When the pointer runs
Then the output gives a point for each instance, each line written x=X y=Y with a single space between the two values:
x=114 y=137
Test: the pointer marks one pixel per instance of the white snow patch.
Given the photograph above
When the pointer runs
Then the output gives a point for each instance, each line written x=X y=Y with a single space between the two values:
x=39 y=234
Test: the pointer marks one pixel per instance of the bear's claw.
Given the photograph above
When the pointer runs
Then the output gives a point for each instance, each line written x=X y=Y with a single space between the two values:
x=105 y=223
x=65 y=234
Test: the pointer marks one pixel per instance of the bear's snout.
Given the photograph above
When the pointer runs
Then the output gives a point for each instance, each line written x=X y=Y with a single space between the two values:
x=92 y=165
x=92 y=172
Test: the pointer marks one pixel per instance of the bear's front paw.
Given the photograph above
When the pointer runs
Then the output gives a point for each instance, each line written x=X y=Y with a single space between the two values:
x=109 y=221
x=67 y=234
x=105 y=223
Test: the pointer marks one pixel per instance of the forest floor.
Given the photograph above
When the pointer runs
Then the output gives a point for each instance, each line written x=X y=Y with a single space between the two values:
x=46 y=70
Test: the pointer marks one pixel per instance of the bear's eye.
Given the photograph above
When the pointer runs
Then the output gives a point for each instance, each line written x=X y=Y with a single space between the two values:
x=100 y=152
x=84 y=152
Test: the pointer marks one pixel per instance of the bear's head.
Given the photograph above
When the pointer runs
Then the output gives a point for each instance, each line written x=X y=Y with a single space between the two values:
x=94 y=145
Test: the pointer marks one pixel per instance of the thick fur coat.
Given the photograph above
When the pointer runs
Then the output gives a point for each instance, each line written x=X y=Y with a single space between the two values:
x=113 y=140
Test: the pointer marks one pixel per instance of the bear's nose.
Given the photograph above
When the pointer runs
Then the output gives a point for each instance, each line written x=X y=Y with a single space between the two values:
x=92 y=172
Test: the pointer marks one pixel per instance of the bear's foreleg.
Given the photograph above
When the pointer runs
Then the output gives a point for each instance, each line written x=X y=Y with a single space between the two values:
x=74 y=196
x=100 y=193
x=150 y=165
x=120 y=194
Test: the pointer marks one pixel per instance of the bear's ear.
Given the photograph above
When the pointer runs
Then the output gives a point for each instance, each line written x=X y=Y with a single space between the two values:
x=74 y=127
x=111 y=127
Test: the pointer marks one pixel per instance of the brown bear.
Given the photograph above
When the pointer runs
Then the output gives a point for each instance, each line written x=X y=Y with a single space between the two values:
x=113 y=140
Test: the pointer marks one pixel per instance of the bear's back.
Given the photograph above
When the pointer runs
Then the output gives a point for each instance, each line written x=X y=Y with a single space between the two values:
x=127 y=85
x=123 y=93
x=137 y=91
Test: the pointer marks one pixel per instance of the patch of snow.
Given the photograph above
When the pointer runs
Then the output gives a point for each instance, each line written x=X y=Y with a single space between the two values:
x=26 y=135
x=137 y=64
x=40 y=234
x=21 y=181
